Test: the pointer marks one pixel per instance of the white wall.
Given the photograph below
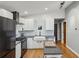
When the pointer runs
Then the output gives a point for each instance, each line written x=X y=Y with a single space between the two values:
x=72 y=17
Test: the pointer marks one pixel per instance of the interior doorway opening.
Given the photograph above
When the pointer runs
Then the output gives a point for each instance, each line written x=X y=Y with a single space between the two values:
x=60 y=30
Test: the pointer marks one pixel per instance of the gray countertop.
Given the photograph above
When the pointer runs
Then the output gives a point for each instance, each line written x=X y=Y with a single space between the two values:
x=20 y=40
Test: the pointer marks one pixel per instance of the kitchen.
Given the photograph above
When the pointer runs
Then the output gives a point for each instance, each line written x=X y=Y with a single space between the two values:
x=27 y=28
x=34 y=29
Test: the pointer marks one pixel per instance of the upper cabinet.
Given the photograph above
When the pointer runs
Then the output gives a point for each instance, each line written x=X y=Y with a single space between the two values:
x=49 y=24
x=6 y=14
x=28 y=24
x=6 y=20
x=8 y=25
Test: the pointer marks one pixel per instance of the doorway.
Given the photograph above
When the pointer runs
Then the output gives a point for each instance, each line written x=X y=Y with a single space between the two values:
x=64 y=33
x=55 y=32
x=60 y=32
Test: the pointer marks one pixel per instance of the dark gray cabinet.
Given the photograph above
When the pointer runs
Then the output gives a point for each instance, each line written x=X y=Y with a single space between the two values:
x=7 y=32
x=8 y=24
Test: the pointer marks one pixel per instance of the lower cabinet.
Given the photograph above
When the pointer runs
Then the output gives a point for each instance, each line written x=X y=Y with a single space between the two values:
x=32 y=44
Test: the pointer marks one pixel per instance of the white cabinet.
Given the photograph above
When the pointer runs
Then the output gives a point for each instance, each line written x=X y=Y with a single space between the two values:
x=49 y=24
x=39 y=38
x=28 y=24
x=19 y=27
x=5 y=13
x=32 y=44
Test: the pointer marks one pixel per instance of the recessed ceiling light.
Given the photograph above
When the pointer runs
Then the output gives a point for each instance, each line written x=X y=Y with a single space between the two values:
x=25 y=12
x=46 y=8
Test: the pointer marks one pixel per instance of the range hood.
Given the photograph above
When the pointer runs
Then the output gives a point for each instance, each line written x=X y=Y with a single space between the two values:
x=16 y=17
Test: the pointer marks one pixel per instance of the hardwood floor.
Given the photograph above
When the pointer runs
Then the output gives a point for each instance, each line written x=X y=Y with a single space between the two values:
x=65 y=51
x=3 y=53
x=7 y=54
x=10 y=55
x=23 y=52
x=38 y=53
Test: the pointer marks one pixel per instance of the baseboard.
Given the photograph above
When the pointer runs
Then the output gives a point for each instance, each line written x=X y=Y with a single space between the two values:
x=73 y=51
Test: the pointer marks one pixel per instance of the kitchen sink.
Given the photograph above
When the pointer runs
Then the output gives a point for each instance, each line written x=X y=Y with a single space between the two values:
x=39 y=38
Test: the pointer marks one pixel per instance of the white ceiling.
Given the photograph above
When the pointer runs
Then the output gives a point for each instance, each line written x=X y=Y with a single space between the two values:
x=32 y=7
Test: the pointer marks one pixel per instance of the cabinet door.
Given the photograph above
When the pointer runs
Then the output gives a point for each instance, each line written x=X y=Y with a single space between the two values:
x=0 y=23
x=49 y=24
x=28 y=24
x=5 y=24
x=8 y=24
x=11 y=25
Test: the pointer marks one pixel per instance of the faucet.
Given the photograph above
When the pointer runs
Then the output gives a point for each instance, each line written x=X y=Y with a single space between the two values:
x=39 y=33
x=40 y=28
